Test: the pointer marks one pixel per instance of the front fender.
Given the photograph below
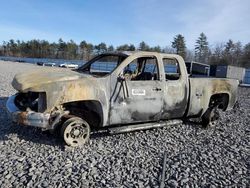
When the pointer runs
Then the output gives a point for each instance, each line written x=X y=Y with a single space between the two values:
x=78 y=91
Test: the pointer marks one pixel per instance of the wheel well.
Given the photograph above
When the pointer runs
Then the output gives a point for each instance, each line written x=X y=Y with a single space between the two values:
x=91 y=111
x=221 y=100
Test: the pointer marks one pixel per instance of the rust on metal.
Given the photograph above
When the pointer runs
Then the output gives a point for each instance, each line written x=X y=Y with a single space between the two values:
x=22 y=118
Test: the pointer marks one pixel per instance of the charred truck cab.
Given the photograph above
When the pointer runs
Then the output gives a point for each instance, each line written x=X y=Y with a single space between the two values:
x=120 y=91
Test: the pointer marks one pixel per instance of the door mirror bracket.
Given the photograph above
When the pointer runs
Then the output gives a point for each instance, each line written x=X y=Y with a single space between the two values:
x=121 y=78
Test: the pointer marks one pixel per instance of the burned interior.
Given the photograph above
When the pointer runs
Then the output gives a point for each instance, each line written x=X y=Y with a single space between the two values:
x=144 y=68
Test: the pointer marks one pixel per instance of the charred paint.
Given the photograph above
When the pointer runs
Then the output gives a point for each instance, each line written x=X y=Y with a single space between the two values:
x=202 y=89
x=125 y=102
x=219 y=86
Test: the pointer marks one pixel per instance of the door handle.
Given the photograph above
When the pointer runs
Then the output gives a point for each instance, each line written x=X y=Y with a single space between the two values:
x=157 y=89
x=198 y=95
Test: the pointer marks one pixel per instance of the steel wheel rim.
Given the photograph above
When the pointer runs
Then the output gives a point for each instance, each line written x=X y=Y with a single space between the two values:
x=76 y=133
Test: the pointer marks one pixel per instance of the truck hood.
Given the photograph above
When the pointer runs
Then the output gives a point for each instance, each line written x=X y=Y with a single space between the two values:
x=42 y=76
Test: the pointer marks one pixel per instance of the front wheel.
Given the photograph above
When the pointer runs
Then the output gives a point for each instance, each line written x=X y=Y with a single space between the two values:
x=210 y=116
x=75 y=131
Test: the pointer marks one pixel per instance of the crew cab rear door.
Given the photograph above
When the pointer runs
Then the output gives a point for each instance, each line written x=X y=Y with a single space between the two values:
x=176 y=88
x=136 y=91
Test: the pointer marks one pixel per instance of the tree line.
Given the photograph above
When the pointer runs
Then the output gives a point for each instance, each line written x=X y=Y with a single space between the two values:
x=229 y=53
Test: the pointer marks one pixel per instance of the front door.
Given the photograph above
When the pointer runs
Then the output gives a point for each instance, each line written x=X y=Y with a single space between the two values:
x=137 y=92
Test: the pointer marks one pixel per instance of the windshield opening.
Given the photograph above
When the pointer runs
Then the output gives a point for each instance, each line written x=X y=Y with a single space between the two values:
x=103 y=64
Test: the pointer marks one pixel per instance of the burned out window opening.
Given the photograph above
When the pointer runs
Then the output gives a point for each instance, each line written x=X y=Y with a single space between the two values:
x=102 y=65
x=143 y=68
x=171 y=68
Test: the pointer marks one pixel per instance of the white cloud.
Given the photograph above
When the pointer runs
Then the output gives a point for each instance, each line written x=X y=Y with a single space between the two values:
x=154 y=21
x=220 y=20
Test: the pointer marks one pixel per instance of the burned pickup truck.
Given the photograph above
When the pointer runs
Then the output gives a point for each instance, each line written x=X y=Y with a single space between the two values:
x=120 y=92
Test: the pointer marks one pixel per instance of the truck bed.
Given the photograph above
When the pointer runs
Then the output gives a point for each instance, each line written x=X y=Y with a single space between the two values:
x=202 y=89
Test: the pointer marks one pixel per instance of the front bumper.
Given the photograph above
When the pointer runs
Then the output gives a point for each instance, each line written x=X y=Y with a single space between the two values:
x=29 y=118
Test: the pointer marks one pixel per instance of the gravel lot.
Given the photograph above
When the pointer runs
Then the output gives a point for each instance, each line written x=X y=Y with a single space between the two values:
x=196 y=157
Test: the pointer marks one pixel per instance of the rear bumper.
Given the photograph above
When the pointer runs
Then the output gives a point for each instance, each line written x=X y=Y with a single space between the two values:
x=29 y=118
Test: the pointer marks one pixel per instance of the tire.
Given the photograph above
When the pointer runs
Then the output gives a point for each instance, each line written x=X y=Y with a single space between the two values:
x=75 y=132
x=209 y=117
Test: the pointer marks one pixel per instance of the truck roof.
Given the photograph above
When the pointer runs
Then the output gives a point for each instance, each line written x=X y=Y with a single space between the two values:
x=128 y=53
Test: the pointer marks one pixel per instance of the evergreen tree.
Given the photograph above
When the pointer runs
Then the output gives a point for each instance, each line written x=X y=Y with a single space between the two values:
x=237 y=53
x=229 y=52
x=201 y=49
x=143 y=46
x=61 y=49
x=53 y=50
x=246 y=55
x=90 y=50
x=5 y=48
x=229 y=46
x=83 y=44
x=124 y=47
x=156 y=49
x=131 y=47
x=83 y=49
x=71 y=50
x=100 y=48
x=86 y=50
x=12 y=47
x=110 y=48
x=179 y=45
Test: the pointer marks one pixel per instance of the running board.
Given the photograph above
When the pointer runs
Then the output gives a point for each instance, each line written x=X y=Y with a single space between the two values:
x=144 y=126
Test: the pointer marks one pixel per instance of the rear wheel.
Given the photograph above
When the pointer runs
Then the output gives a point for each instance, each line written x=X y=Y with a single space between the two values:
x=210 y=116
x=75 y=131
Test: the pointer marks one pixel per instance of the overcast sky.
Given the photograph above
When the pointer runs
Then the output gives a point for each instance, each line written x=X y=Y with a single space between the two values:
x=126 y=21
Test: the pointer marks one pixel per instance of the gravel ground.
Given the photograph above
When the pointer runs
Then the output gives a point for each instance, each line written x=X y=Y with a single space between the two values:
x=196 y=157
